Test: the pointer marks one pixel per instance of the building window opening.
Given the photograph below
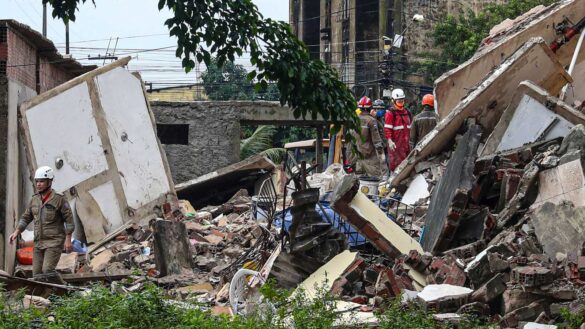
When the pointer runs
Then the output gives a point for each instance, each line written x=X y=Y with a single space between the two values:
x=2 y=67
x=177 y=134
x=3 y=34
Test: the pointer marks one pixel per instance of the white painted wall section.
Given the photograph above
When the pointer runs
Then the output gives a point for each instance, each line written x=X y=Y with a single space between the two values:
x=105 y=196
x=64 y=127
x=133 y=140
x=531 y=121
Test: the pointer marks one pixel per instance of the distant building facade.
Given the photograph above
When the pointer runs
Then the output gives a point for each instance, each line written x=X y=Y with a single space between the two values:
x=348 y=35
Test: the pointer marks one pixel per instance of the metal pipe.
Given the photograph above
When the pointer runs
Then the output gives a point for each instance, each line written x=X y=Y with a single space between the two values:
x=573 y=64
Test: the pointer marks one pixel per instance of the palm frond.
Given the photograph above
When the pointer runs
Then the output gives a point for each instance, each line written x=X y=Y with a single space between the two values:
x=260 y=140
x=275 y=154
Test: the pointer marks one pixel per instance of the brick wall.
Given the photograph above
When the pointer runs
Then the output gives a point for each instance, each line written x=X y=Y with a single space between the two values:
x=51 y=75
x=21 y=60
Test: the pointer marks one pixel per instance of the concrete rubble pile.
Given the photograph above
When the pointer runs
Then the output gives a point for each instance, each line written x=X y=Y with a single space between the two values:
x=485 y=217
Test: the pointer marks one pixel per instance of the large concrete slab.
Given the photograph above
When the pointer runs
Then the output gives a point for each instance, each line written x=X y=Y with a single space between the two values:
x=450 y=196
x=532 y=115
x=370 y=221
x=97 y=132
x=563 y=183
x=559 y=228
x=534 y=61
x=455 y=85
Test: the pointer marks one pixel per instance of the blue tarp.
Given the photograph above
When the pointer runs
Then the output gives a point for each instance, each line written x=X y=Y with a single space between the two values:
x=353 y=237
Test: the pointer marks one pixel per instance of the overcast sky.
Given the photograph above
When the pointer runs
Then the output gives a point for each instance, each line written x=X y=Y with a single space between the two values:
x=137 y=23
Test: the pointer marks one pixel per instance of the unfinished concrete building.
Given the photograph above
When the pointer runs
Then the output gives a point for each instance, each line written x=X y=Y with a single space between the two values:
x=348 y=34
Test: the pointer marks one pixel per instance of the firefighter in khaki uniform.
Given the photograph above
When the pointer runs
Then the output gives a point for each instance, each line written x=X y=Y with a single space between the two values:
x=369 y=143
x=53 y=224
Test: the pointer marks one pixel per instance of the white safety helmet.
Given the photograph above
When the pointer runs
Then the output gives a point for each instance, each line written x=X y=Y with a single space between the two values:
x=398 y=94
x=44 y=172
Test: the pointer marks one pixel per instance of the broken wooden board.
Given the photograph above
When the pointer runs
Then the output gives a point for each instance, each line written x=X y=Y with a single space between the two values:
x=559 y=228
x=454 y=85
x=450 y=196
x=32 y=287
x=324 y=277
x=218 y=186
x=95 y=276
x=533 y=115
x=534 y=61
x=102 y=142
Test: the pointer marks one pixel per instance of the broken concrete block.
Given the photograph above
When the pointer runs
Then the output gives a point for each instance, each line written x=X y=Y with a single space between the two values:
x=526 y=313
x=171 y=248
x=490 y=290
x=517 y=297
x=444 y=297
x=478 y=270
x=67 y=263
x=213 y=239
x=367 y=218
x=559 y=228
x=386 y=285
x=99 y=262
x=449 y=198
x=563 y=183
x=496 y=263
x=527 y=182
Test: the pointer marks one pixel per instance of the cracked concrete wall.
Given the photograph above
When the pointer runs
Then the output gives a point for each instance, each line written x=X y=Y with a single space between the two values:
x=214 y=131
x=214 y=135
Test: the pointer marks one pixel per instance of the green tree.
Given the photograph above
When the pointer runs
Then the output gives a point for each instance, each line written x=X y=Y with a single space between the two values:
x=227 y=29
x=227 y=83
x=459 y=37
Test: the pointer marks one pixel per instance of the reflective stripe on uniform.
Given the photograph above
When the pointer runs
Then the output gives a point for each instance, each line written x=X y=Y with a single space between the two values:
x=388 y=126
x=398 y=128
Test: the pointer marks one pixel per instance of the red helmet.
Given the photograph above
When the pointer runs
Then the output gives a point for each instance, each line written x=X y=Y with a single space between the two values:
x=365 y=102
x=429 y=100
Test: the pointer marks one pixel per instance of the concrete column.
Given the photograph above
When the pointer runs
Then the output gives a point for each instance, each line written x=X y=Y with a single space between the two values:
x=3 y=160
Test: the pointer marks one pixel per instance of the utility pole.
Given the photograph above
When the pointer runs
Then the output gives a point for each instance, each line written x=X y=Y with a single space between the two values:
x=67 y=37
x=44 y=20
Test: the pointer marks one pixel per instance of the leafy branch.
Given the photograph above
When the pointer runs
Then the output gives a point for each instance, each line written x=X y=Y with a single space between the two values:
x=226 y=29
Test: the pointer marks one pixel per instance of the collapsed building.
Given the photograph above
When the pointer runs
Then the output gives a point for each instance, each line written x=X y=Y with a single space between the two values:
x=484 y=217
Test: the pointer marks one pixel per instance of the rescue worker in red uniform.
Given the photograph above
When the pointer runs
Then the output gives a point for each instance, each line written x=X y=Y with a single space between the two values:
x=397 y=129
